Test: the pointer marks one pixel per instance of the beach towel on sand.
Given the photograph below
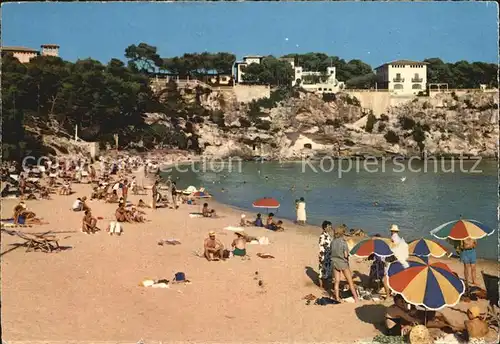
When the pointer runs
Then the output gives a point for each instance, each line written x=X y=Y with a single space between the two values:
x=194 y=215
x=115 y=227
x=234 y=229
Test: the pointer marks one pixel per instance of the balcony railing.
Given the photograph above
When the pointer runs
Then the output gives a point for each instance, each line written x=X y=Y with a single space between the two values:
x=398 y=79
x=417 y=80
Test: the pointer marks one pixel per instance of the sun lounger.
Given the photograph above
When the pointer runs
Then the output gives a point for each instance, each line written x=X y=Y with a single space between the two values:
x=492 y=294
x=39 y=242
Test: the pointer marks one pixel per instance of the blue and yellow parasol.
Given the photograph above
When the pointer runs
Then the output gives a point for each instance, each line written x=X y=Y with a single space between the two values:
x=426 y=248
x=433 y=286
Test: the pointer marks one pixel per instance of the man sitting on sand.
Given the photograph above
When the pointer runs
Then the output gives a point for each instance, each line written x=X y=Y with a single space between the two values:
x=89 y=223
x=239 y=245
x=121 y=214
x=77 y=205
x=213 y=248
x=399 y=319
x=475 y=327
x=65 y=189
x=207 y=212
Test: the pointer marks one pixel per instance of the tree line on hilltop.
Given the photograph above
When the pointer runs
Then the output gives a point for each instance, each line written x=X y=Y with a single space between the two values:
x=49 y=93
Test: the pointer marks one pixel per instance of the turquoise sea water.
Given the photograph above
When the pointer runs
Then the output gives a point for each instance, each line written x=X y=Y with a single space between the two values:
x=417 y=204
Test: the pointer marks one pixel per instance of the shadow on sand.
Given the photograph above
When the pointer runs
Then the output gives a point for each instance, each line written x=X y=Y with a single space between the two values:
x=313 y=275
x=372 y=314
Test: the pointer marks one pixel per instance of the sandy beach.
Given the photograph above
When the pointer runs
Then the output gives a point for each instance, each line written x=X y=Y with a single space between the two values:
x=90 y=293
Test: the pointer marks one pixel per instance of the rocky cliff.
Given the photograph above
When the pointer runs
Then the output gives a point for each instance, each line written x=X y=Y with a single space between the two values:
x=309 y=125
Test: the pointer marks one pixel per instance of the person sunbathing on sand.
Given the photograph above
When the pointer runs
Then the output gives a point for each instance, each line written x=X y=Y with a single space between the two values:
x=89 y=223
x=65 y=189
x=239 y=245
x=207 y=212
x=112 y=197
x=23 y=217
x=44 y=193
x=399 y=319
x=213 y=248
x=137 y=215
x=142 y=204
x=121 y=214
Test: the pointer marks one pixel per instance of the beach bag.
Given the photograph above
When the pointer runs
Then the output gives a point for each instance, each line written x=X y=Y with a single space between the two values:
x=180 y=277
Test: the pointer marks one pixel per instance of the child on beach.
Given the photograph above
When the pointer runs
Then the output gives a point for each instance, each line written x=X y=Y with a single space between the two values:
x=207 y=212
x=270 y=222
x=258 y=221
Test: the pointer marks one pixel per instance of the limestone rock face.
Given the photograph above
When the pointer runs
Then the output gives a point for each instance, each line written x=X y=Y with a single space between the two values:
x=306 y=125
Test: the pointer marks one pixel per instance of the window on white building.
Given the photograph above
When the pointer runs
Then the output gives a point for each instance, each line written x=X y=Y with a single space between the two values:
x=398 y=86
x=416 y=86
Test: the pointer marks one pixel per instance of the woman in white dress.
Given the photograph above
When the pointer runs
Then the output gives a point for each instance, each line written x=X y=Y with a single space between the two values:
x=301 y=211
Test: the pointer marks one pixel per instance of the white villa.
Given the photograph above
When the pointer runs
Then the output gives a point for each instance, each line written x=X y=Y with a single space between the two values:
x=323 y=83
x=403 y=77
x=239 y=65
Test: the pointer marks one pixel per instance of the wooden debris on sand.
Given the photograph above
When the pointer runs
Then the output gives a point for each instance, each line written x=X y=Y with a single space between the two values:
x=44 y=242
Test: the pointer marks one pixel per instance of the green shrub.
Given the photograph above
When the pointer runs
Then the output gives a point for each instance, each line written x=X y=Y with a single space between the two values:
x=384 y=117
x=245 y=123
x=418 y=134
x=352 y=101
x=391 y=137
x=370 y=122
x=406 y=123
x=329 y=97
x=263 y=125
x=469 y=104
x=454 y=96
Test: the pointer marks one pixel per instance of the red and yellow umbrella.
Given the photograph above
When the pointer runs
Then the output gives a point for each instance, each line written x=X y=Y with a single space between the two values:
x=378 y=246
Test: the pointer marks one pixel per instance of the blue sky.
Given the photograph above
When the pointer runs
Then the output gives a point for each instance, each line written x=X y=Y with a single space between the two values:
x=375 y=32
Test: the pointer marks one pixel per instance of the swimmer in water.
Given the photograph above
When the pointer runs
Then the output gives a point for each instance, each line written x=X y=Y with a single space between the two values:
x=375 y=204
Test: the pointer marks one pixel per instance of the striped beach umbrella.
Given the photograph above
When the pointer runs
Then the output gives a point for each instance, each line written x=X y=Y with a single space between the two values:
x=461 y=230
x=426 y=248
x=433 y=286
x=378 y=246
